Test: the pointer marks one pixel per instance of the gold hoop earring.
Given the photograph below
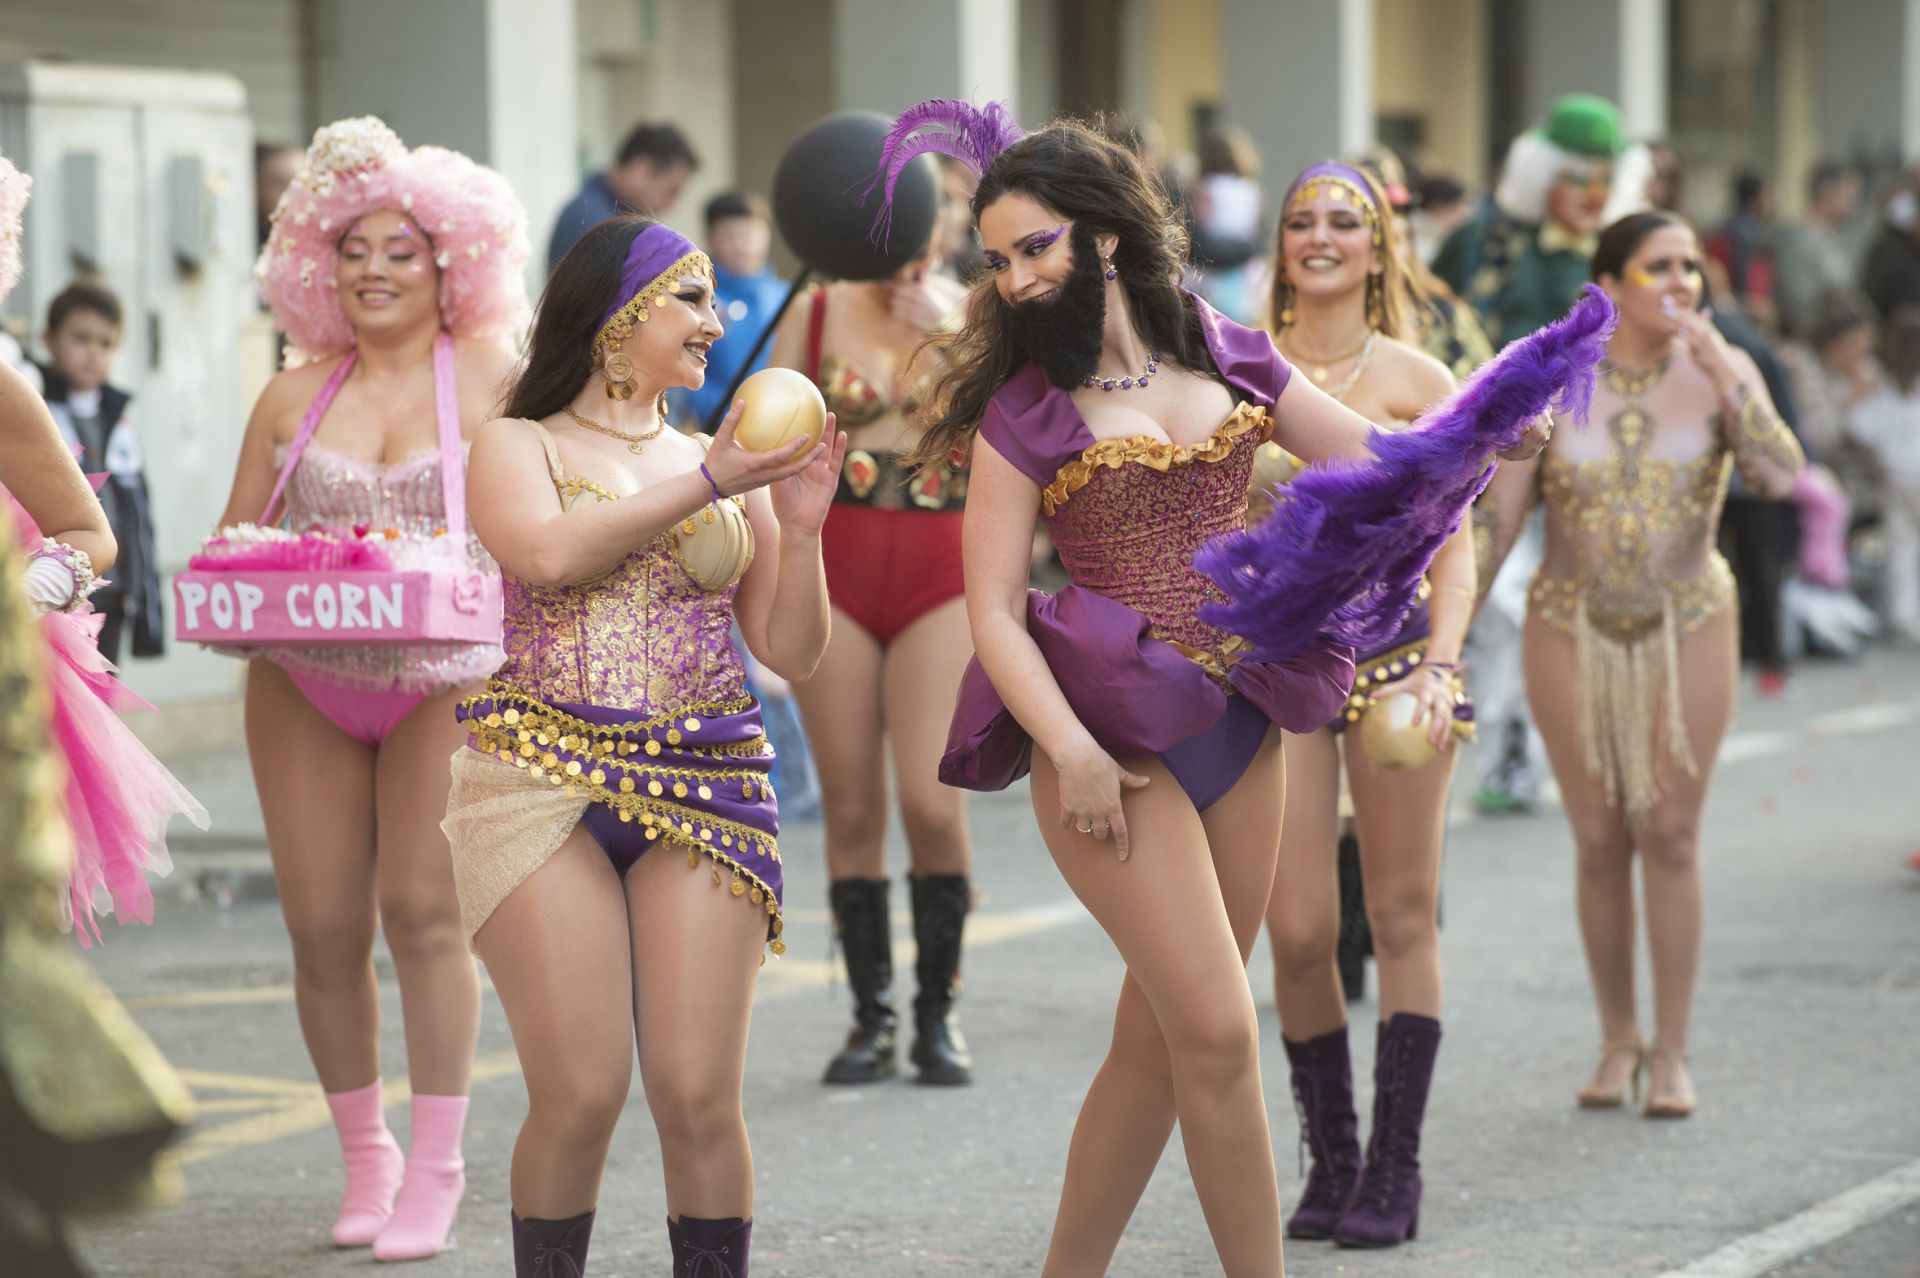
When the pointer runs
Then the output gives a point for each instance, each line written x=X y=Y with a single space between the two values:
x=1286 y=304
x=619 y=374
x=1376 y=302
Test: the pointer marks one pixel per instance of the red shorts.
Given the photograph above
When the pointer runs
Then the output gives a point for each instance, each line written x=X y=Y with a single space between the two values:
x=886 y=569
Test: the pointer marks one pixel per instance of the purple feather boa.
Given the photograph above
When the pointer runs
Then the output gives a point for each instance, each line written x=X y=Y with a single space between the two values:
x=970 y=134
x=1341 y=558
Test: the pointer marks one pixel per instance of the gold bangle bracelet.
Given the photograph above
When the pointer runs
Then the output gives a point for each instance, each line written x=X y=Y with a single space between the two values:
x=1462 y=591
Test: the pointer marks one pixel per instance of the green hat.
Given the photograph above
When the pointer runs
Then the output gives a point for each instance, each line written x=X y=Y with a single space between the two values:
x=1585 y=125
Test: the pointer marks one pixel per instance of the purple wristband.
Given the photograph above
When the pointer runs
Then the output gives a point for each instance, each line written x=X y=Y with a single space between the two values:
x=708 y=476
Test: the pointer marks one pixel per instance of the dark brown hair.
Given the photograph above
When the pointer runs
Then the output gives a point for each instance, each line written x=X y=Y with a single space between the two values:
x=83 y=295
x=1079 y=174
x=1900 y=347
x=580 y=291
x=1622 y=240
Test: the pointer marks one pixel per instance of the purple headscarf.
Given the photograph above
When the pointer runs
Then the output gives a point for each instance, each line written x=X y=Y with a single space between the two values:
x=656 y=260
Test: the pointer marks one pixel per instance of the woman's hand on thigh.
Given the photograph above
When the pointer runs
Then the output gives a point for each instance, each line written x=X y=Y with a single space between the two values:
x=1091 y=784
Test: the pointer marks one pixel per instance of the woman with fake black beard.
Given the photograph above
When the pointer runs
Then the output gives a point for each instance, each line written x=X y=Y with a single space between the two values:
x=893 y=663
x=1095 y=394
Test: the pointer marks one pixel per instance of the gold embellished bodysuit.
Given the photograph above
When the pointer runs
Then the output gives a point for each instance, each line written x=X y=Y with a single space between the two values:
x=1633 y=509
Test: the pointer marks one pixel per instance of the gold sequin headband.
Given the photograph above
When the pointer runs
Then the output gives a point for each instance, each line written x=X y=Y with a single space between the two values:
x=639 y=306
x=1334 y=182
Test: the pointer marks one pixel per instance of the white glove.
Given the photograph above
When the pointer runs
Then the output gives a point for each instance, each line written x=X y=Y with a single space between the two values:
x=49 y=584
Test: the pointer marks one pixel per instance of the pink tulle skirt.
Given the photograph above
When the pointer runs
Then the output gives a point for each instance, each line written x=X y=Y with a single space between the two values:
x=119 y=797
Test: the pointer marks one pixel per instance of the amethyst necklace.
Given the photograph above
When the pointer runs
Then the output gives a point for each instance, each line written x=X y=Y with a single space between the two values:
x=1128 y=383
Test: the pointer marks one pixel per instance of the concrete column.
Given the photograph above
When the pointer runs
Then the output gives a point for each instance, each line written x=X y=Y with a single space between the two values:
x=1614 y=48
x=1299 y=78
x=497 y=80
x=890 y=54
x=1909 y=73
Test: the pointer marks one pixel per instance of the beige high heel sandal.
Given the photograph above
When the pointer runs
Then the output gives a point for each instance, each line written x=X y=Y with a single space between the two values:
x=1670 y=1104
x=1592 y=1097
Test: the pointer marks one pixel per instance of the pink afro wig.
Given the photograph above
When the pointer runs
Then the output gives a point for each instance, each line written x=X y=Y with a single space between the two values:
x=356 y=167
x=15 y=186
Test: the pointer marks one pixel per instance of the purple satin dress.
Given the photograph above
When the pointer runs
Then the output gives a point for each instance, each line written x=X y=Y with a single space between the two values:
x=1124 y=640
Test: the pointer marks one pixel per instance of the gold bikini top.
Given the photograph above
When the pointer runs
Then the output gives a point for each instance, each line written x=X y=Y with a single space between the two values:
x=715 y=546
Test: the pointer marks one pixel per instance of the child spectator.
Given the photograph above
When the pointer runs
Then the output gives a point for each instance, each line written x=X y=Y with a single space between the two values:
x=82 y=334
x=1228 y=209
x=1888 y=422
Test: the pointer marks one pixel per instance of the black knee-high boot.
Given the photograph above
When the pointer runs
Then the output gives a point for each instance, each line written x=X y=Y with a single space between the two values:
x=940 y=905
x=866 y=941
x=551 y=1248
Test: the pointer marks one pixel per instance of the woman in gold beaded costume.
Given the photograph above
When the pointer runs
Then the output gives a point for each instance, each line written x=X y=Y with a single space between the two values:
x=1344 y=315
x=1631 y=635
x=619 y=738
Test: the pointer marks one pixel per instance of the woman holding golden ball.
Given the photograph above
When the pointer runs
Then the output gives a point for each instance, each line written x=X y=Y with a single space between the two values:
x=892 y=668
x=1343 y=314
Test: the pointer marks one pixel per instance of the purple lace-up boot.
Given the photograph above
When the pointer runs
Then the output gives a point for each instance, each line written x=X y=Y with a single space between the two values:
x=710 y=1248
x=1386 y=1206
x=551 y=1248
x=1322 y=1075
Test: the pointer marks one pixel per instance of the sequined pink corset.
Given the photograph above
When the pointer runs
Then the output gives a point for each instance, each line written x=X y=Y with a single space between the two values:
x=1128 y=515
x=331 y=490
x=645 y=637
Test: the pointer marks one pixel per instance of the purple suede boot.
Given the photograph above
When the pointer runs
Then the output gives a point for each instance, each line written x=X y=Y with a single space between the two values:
x=1322 y=1074
x=1386 y=1206
x=710 y=1248
x=551 y=1248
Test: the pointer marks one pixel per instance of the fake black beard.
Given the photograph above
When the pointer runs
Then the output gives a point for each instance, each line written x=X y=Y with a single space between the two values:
x=1062 y=333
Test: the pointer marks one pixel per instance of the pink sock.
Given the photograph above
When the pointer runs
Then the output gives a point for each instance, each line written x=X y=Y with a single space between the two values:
x=436 y=1177
x=373 y=1162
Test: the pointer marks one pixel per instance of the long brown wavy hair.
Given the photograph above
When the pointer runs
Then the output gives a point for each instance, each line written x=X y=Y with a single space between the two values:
x=1401 y=300
x=1079 y=174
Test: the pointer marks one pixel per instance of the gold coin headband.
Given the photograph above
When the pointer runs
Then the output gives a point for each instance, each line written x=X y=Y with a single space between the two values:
x=646 y=284
x=1341 y=185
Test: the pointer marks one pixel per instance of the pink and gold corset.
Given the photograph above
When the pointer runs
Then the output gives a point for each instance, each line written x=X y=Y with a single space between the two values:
x=329 y=489
x=1127 y=516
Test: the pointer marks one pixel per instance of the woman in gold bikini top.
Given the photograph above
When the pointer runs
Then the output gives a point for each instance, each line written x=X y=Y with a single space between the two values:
x=1631 y=647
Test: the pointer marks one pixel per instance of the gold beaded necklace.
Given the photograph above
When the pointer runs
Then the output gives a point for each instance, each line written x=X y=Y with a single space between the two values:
x=1321 y=369
x=635 y=443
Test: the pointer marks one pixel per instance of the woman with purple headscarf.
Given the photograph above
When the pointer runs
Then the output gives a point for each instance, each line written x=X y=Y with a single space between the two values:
x=1093 y=393
x=1342 y=307
x=619 y=738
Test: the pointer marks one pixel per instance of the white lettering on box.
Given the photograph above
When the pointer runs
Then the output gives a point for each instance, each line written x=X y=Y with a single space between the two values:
x=326 y=607
x=295 y=594
x=351 y=597
x=385 y=604
x=221 y=606
x=251 y=597
x=192 y=595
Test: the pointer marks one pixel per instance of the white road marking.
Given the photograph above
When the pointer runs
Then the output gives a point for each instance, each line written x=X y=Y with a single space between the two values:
x=1758 y=1253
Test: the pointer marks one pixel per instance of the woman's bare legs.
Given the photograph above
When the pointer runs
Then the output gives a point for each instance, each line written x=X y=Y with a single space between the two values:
x=841 y=707
x=1186 y=985
x=919 y=681
x=1303 y=914
x=1401 y=819
x=1669 y=840
x=1603 y=851
x=696 y=952
x=557 y=950
x=316 y=787
x=419 y=911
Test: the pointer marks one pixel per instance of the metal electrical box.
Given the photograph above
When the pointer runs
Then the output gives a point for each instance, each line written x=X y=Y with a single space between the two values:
x=143 y=180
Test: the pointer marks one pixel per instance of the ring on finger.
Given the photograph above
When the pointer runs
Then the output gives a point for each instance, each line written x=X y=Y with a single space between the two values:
x=1084 y=829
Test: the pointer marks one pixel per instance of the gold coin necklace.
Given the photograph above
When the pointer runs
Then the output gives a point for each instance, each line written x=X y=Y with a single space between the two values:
x=1629 y=425
x=635 y=443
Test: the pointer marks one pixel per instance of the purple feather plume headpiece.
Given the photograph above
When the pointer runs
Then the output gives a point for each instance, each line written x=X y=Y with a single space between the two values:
x=975 y=136
x=1341 y=557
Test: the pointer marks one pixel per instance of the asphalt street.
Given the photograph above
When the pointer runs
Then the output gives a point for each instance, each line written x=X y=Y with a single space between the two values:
x=1803 y=1160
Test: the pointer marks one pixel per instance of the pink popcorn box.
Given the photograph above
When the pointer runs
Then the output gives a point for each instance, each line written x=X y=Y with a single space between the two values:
x=264 y=608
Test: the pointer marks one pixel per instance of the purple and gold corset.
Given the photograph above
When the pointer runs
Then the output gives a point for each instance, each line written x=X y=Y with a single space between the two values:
x=645 y=638
x=1127 y=516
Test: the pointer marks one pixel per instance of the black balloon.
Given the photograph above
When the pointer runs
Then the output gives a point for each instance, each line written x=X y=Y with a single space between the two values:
x=817 y=204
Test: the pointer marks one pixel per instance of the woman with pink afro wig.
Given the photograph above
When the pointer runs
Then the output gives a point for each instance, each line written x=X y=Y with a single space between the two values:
x=397 y=276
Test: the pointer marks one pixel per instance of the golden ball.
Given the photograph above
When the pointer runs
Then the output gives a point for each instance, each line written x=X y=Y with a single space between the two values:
x=780 y=404
x=1391 y=738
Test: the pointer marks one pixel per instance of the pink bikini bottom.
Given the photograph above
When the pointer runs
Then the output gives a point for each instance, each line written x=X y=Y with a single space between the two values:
x=367 y=717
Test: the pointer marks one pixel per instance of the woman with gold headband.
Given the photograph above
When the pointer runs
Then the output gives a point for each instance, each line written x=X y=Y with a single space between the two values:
x=1344 y=315
x=620 y=726
x=1631 y=639
x=397 y=276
